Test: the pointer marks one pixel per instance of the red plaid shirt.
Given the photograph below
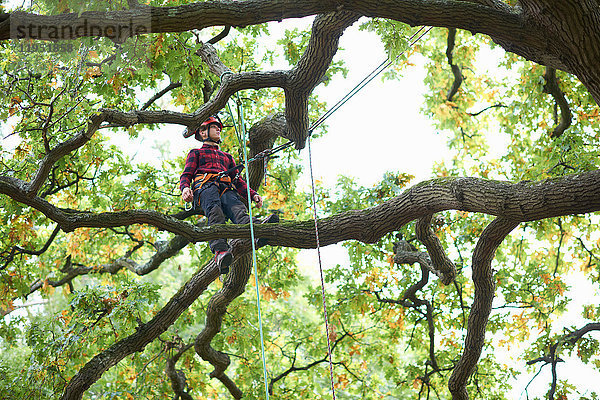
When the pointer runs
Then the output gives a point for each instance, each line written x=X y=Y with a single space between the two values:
x=210 y=159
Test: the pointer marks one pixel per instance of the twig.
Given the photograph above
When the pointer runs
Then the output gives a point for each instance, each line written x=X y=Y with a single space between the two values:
x=161 y=94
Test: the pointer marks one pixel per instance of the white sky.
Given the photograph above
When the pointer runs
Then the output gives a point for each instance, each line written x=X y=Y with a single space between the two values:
x=382 y=122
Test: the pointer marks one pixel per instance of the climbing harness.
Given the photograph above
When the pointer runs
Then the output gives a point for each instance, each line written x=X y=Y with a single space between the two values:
x=223 y=183
x=221 y=179
x=201 y=180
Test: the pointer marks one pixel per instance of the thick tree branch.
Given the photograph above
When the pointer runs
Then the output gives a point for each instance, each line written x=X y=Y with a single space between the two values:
x=423 y=199
x=483 y=279
x=456 y=70
x=500 y=5
x=534 y=31
x=211 y=58
x=304 y=77
x=497 y=20
x=231 y=85
x=524 y=201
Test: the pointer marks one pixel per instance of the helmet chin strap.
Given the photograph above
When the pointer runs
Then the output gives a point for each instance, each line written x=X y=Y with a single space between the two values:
x=208 y=139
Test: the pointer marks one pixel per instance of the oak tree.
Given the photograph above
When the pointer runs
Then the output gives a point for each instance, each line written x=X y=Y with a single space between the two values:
x=443 y=276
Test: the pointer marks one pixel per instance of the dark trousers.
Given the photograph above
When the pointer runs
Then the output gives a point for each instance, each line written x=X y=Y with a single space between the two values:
x=218 y=207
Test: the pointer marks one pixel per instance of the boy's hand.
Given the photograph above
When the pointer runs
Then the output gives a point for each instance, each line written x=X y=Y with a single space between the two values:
x=258 y=200
x=187 y=195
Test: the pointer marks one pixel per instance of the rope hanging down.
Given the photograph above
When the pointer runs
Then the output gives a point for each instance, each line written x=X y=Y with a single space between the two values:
x=318 y=122
x=254 y=262
x=314 y=201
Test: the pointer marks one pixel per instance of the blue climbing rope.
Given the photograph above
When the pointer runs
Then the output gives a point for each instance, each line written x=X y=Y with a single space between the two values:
x=254 y=262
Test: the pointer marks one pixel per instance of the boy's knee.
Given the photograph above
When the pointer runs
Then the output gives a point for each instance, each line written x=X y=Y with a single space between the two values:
x=240 y=214
x=215 y=215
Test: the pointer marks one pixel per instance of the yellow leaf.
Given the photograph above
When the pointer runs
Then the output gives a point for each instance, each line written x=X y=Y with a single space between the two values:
x=92 y=72
x=47 y=287
x=268 y=293
x=231 y=339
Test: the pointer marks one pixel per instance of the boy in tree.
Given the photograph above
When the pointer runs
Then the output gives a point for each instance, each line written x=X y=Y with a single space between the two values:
x=217 y=194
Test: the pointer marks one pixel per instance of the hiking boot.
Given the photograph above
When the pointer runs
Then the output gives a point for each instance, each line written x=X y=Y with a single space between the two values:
x=271 y=219
x=223 y=259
